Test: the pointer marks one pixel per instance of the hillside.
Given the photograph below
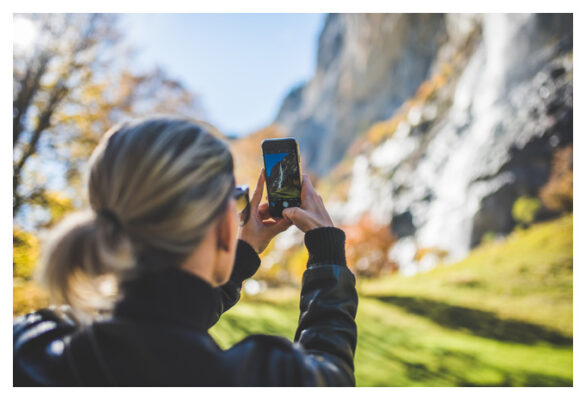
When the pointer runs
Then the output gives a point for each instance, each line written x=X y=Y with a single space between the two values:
x=502 y=316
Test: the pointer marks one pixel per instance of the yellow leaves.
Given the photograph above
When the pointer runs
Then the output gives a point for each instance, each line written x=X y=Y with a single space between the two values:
x=297 y=263
x=27 y=297
x=25 y=247
x=525 y=209
x=127 y=84
x=92 y=92
x=385 y=129
x=423 y=252
x=58 y=205
x=280 y=266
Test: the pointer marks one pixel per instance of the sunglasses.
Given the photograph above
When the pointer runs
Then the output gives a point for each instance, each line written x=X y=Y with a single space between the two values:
x=242 y=203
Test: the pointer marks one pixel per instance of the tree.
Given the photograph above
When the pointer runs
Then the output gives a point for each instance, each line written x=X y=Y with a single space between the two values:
x=558 y=193
x=367 y=246
x=73 y=85
x=69 y=87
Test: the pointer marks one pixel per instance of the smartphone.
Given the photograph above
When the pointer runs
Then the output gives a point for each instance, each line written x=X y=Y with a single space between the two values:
x=282 y=173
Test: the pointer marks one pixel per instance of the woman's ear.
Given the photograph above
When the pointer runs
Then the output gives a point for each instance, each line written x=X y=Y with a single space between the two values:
x=225 y=227
x=226 y=233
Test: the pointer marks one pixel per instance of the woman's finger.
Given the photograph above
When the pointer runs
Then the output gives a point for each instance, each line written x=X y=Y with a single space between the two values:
x=263 y=211
x=258 y=190
x=280 y=225
x=307 y=189
x=309 y=184
x=304 y=188
x=295 y=214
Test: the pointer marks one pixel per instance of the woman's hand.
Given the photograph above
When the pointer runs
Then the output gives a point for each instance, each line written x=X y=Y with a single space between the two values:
x=260 y=228
x=312 y=213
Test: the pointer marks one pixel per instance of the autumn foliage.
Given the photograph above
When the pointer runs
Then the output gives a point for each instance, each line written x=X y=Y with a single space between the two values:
x=69 y=87
x=558 y=192
x=367 y=246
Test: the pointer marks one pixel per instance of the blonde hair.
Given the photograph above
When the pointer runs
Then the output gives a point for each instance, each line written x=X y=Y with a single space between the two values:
x=154 y=188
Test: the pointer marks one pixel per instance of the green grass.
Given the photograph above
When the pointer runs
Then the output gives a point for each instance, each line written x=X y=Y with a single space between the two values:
x=287 y=192
x=502 y=316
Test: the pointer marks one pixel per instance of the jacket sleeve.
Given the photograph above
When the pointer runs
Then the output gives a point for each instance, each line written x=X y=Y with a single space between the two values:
x=322 y=353
x=246 y=264
x=38 y=340
x=327 y=330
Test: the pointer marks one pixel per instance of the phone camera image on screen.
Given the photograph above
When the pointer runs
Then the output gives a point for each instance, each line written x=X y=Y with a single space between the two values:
x=282 y=174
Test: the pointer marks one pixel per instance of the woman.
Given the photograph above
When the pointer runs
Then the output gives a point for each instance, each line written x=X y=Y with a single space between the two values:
x=164 y=225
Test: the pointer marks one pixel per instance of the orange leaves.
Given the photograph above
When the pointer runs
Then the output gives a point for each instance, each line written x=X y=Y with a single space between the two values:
x=367 y=247
x=558 y=192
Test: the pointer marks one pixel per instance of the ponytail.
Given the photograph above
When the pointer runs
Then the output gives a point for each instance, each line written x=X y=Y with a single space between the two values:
x=82 y=254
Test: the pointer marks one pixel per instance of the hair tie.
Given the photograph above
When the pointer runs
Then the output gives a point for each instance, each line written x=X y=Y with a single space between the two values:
x=110 y=216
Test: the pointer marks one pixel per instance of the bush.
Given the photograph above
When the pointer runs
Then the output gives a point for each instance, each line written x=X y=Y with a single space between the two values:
x=525 y=209
x=25 y=253
x=558 y=193
x=368 y=245
x=27 y=296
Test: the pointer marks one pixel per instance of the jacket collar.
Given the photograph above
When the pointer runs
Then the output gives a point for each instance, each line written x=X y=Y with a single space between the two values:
x=171 y=296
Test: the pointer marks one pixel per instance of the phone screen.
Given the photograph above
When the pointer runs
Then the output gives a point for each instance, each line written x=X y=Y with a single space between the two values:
x=283 y=179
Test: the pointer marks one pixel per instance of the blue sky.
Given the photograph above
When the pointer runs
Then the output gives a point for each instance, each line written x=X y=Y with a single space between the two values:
x=242 y=65
x=271 y=159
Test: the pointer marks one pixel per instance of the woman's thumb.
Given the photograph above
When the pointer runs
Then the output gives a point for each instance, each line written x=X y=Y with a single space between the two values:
x=293 y=214
x=281 y=226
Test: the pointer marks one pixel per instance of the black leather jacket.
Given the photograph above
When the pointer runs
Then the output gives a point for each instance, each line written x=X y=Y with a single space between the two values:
x=157 y=335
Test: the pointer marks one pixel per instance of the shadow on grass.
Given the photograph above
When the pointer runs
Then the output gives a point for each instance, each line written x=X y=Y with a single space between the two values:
x=478 y=322
x=391 y=357
x=421 y=365
x=418 y=365
x=419 y=372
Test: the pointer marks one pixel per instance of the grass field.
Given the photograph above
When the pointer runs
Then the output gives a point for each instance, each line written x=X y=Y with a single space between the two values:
x=501 y=317
x=287 y=192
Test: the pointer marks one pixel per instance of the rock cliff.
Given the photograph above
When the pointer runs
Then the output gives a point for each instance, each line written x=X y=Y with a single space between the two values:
x=367 y=66
x=471 y=110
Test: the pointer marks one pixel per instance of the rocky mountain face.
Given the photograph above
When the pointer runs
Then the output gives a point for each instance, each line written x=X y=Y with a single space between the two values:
x=475 y=107
x=367 y=66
